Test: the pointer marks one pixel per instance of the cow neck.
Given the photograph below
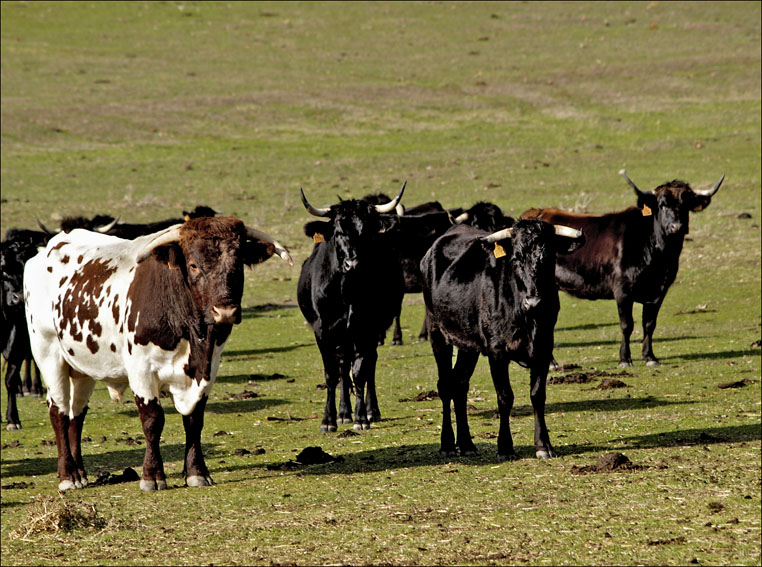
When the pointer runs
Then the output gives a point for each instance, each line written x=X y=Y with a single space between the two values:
x=668 y=246
x=163 y=313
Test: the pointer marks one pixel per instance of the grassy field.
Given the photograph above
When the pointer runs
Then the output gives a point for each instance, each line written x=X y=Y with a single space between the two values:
x=143 y=109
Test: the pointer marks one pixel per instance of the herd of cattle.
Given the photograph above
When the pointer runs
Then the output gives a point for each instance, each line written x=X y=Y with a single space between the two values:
x=152 y=306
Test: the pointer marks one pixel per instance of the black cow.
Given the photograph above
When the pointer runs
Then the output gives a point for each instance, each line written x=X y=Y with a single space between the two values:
x=493 y=294
x=630 y=256
x=131 y=231
x=348 y=291
x=18 y=247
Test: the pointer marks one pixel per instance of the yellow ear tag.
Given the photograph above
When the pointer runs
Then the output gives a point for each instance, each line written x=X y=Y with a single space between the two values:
x=171 y=267
x=317 y=237
x=646 y=211
x=499 y=251
x=187 y=218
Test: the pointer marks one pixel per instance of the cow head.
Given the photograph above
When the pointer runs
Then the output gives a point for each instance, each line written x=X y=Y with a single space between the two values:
x=353 y=227
x=530 y=246
x=671 y=203
x=485 y=216
x=12 y=269
x=209 y=254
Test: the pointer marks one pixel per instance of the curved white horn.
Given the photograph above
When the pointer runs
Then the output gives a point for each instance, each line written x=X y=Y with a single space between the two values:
x=713 y=190
x=166 y=236
x=461 y=218
x=562 y=230
x=313 y=210
x=106 y=227
x=390 y=206
x=263 y=236
x=632 y=184
x=499 y=235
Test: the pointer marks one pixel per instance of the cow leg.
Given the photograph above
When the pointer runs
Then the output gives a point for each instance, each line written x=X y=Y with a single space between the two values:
x=37 y=391
x=364 y=374
x=502 y=382
x=538 y=376
x=152 y=419
x=464 y=369
x=68 y=471
x=13 y=387
x=371 y=399
x=332 y=367
x=81 y=389
x=650 y=312
x=624 y=305
x=424 y=334
x=196 y=473
x=443 y=357
x=345 y=399
x=397 y=336
x=27 y=381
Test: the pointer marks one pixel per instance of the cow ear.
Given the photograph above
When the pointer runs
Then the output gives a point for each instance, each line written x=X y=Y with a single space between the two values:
x=319 y=231
x=257 y=251
x=698 y=203
x=647 y=203
x=169 y=254
x=388 y=223
x=568 y=244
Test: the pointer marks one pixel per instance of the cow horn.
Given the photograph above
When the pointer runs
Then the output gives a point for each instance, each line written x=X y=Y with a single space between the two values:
x=713 y=190
x=400 y=210
x=499 y=235
x=106 y=227
x=44 y=228
x=562 y=230
x=390 y=206
x=313 y=210
x=279 y=248
x=166 y=236
x=632 y=184
x=461 y=218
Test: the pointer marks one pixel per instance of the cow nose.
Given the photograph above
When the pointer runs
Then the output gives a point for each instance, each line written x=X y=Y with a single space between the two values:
x=531 y=301
x=15 y=299
x=227 y=315
x=350 y=265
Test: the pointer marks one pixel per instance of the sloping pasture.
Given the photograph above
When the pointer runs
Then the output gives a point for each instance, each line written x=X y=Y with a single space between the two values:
x=143 y=109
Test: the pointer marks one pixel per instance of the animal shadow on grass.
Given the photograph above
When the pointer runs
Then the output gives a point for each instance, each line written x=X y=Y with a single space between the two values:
x=617 y=341
x=587 y=326
x=222 y=406
x=258 y=351
x=107 y=459
x=246 y=378
x=258 y=310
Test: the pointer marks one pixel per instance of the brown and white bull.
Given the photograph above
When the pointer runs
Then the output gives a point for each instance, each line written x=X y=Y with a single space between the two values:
x=152 y=313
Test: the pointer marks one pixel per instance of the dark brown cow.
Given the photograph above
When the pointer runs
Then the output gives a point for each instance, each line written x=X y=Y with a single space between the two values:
x=153 y=313
x=629 y=256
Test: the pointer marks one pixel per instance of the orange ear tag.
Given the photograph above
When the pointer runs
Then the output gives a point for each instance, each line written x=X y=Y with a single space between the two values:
x=646 y=211
x=499 y=251
x=317 y=237
x=171 y=267
x=187 y=218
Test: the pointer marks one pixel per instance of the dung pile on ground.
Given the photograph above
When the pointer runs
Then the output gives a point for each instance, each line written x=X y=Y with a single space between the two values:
x=609 y=462
x=51 y=515
x=610 y=384
x=422 y=397
x=584 y=377
x=739 y=384
x=308 y=456
x=105 y=477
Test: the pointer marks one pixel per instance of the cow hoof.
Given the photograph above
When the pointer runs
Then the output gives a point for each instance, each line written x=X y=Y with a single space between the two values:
x=508 y=457
x=543 y=454
x=198 y=481
x=327 y=429
x=13 y=426
x=445 y=454
x=361 y=426
x=653 y=363
x=397 y=343
x=625 y=364
x=67 y=485
x=151 y=485
x=345 y=421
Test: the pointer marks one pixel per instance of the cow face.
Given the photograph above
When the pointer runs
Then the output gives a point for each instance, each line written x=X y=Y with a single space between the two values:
x=672 y=203
x=12 y=268
x=532 y=259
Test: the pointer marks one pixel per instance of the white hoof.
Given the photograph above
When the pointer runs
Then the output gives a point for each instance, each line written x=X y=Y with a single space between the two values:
x=198 y=481
x=67 y=485
x=653 y=363
x=151 y=485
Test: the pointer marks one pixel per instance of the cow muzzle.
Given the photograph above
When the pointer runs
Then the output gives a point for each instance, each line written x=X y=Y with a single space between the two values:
x=530 y=302
x=227 y=315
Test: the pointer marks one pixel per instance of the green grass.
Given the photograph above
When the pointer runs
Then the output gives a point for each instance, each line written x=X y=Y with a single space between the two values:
x=144 y=109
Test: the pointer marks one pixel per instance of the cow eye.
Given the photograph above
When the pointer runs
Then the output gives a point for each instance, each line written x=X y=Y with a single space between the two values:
x=193 y=267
